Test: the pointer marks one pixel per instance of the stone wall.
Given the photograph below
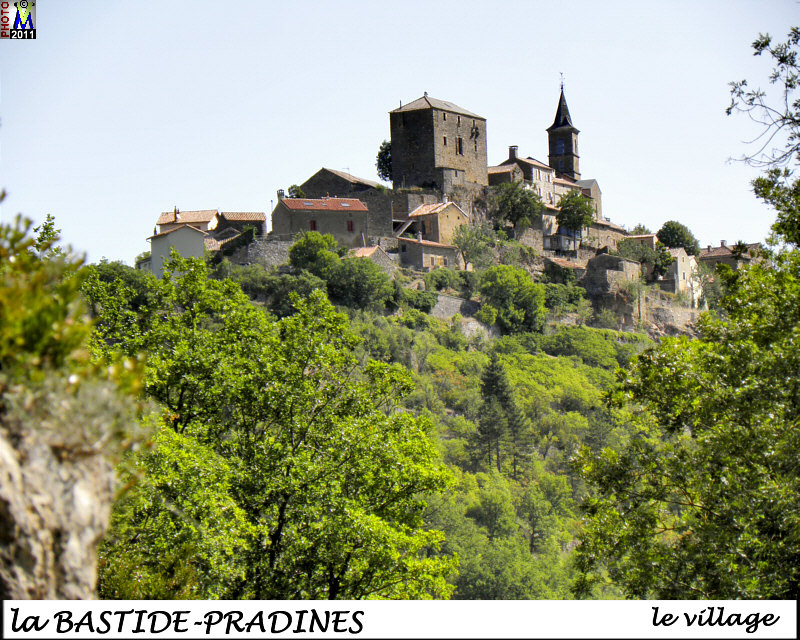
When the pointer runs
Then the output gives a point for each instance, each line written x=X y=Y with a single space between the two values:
x=448 y=306
x=269 y=252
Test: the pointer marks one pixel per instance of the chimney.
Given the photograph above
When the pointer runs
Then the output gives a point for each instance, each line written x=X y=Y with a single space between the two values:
x=709 y=248
x=444 y=198
x=419 y=235
x=512 y=152
x=723 y=243
x=280 y=194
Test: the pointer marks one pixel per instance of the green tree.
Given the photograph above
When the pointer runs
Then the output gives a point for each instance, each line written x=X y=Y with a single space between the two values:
x=674 y=234
x=640 y=230
x=360 y=284
x=383 y=161
x=516 y=299
x=701 y=498
x=512 y=202
x=296 y=433
x=575 y=211
x=475 y=244
x=317 y=253
x=296 y=192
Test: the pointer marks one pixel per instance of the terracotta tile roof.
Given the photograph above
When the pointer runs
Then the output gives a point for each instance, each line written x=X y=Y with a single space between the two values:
x=427 y=243
x=248 y=216
x=716 y=252
x=205 y=215
x=503 y=168
x=538 y=163
x=610 y=225
x=431 y=209
x=215 y=244
x=426 y=102
x=364 y=252
x=642 y=236
x=323 y=204
x=676 y=251
x=562 y=181
x=565 y=263
x=173 y=230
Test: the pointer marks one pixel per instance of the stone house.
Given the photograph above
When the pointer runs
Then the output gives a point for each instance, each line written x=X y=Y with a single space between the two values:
x=378 y=199
x=724 y=254
x=535 y=175
x=682 y=275
x=188 y=241
x=604 y=233
x=437 y=144
x=436 y=222
x=426 y=255
x=605 y=273
x=647 y=239
x=344 y=218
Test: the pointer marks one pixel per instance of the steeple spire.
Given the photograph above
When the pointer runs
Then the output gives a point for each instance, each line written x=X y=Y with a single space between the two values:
x=563 y=118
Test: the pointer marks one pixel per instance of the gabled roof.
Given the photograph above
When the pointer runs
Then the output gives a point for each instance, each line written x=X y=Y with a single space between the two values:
x=243 y=216
x=351 y=178
x=565 y=263
x=205 y=215
x=587 y=184
x=508 y=168
x=433 y=209
x=609 y=224
x=716 y=252
x=427 y=243
x=173 y=230
x=562 y=119
x=642 y=236
x=563 y=181
x=676 y=251
x=323 y=204
x=364 y=252
x=529 y=160
x=216 y=243
x=426 y=102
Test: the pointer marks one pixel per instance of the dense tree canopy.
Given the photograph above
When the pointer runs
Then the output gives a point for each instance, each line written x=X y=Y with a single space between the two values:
x=314 y=481
x=512 y=299
x=513 y=203
x=575 y=211
x=383 y=162
x=673 y=234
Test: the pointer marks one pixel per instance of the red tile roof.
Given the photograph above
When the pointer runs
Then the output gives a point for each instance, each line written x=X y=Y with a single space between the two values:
x=716 y=252
x=323 y=204
x=431 y=209
x=565 y=263
x=205 y=215
x=248 y=216
x=364 y=252
x=427 y=243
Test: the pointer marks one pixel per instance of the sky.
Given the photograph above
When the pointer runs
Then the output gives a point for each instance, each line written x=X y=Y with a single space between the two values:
x=120 y=110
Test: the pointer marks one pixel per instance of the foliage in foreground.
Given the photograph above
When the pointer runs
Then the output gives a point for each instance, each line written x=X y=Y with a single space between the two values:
x=276 y=444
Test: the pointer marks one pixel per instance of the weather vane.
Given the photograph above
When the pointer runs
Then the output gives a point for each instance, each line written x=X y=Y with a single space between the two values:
x=562 y=79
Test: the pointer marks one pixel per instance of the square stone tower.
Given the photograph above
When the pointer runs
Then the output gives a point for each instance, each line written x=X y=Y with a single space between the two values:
x=438 y=145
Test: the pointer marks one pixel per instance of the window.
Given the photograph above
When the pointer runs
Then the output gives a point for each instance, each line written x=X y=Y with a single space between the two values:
x=350 y=226
x=444 y=117
x=433 y=261
x=458 y=120
x=445 y=140
x=476 y=145
x=460 y=146
x=444 y=261
x=312 y=225
x=559 y=147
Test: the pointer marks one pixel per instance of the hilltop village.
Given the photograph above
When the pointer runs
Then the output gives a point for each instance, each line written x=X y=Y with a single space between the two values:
x=441 y=181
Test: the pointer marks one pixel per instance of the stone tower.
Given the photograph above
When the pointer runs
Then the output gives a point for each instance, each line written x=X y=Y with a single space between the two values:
x=563 y=139
x=439 y=145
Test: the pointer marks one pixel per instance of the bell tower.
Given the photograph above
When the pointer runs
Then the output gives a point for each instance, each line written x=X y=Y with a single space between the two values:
x=563 y=139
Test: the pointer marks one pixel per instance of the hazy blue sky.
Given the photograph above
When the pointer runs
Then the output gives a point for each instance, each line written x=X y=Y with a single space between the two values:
x=121 y=110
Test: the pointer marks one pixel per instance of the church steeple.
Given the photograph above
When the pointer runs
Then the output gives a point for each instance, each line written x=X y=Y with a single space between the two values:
x=563 y=139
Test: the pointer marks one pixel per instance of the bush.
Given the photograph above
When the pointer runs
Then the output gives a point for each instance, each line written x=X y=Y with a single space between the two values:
x=518 y=300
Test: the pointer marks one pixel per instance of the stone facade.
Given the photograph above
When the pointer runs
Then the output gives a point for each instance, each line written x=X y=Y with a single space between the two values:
x=344 y=218
x=723 y=254
x=377 y=198
x=437 y=222
x=605 y=273
x=439 y=145
x=269 y=252
x=424 y=255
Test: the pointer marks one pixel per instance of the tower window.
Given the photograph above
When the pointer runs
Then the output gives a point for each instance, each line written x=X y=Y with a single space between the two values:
x=444 y=117
x=460 y=146
x=445 y=140
x=476 y=145
x=559 y=147
x=458 y=120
